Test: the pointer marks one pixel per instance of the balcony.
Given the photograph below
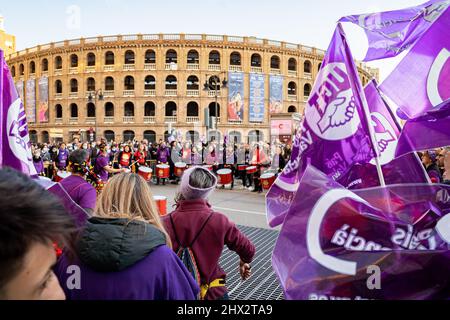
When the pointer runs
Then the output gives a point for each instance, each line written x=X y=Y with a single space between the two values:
x=128 y=93
x=150 y=66
x=90 y=69
x=108 y=68
x=150 y=93
x=214 y=67
x=58 y=72
x=58 y=121
x=129 y=67
x=108 y=93
x=235 y=68
x=275 y=71
x=150 y=119
x=171 y=66
x=44 y=73
x=292 y=73
x=307 y=75
x=235 y=121
x=292 y=97
x=192 y=66
x=90 y=120
x=108 y=119
x=58 y=95
x=171 y=119
x=170 y=93
x=193 y=93
x=256 y=69
x=192 y=119
x=73 y=70
x=73 y=95
x=128 y=119
x=73 y=120
x=212 y=93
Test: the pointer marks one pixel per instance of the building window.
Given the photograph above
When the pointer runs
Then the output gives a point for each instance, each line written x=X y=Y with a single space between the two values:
x=74 y=61
x=44 y=65
x=150 y=109
x=32 y=67
x=214 y=57
x=275 y=62
x=292 y=88
x=129 y=57
x=33 y=136
x=129 y=109
x=45 y=137
x=128 y=135
x=192 y=57
x=58 y=63
x=212 y=109
x=292 y=109
x=192 y=136
x=109 y=83
x=150 y=83
x=109 y=109
x=307 y=66
x=213 y=82
x=109 y=58
x=307 y=90
x=292 y=64
x=58 y=86
x=90 y=110
x=192 y=109
x=150 y=136
x=90 y=84
x=235 y=137
x=109 y=135
x=74 y=85
x=235 y=59
x=192 y=83
x=171 y=56
x=91 y=59
x=22 y=69
x=13 y=71
x=255 y=136
x=319 y=67
x=171 y=109
x=255 y=60
x=171 y=83
x=59 y=111
x=129 y=83
x=73 y=110
x=150 y=56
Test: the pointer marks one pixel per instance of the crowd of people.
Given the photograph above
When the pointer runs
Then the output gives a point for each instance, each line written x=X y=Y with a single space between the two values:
x=437 y=164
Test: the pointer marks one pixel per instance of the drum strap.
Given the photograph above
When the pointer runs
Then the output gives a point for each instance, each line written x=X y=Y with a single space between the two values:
x=196 y=237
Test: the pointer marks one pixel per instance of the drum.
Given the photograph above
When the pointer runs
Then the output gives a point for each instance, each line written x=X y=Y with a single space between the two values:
x=267 y=180
x=180 y=167
x=60 y=175
x=161 y=203
x=208 y=167
x=242 y=167
x=145 y=173
x=252 y=169
x=225 y=176
x=162 y=171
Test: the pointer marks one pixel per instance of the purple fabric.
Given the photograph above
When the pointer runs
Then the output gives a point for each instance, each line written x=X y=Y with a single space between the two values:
x=421 y=80
x=63 y=155
x=333 y=238
x=163 y=154
x=39 y=166
x=390 y=33
x=15 y=145
x=100 y=163
x=81 y=191
x=159 y=276
x=428 y=131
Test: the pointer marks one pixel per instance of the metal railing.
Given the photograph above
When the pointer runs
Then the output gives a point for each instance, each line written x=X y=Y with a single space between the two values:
x=171 y=119
x=256 y=69
x=235 y=68
x=170 y=93
x=150 y=66
x=192 y=66
x=192 y=119
x=128 y=119
x=129 y=67
x=150 y=119
x=192 y=93
x=150 y=92
x=128 y=93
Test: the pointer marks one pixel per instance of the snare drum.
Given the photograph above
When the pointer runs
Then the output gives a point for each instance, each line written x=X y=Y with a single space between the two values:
x=161 y=203
x=145 y=173
x=242 y=167
x=180 y=167
x=163 y=171
x=267 y=180
x=252 y=169
x=225 y=176
x=61 y=175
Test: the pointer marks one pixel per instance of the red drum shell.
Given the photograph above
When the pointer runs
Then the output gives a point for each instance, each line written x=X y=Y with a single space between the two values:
x=242 y=167
x=161 y=203
x=180 y=167
x=145 y=173
x=267 y=180
x=225 y=176
x=163 y=171
x=252 y=169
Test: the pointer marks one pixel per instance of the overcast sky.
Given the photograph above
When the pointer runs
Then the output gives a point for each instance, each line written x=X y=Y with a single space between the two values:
x=306 y=22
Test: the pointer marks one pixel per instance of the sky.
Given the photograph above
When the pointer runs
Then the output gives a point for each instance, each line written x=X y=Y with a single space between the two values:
x=307 y=22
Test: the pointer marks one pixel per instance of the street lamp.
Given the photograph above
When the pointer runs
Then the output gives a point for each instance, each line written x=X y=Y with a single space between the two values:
x=93 y=98
x=214 y=85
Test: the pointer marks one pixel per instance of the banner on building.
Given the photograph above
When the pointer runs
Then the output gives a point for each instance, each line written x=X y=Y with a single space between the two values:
x=236 y=96
x=257 y=94
x=276 y=94
x=43 y=99
x=20 y=90
x=31 y=100
x=281 y=130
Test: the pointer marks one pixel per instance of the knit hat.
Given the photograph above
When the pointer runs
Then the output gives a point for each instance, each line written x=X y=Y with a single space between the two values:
x=191 y=193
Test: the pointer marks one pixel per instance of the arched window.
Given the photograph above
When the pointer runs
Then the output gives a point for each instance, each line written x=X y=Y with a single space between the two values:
x=192 y=57
x=307 y=66
x=109 y=109
x=171 y=109
x=292 y=88
x=214 y=135
x=13 y=71
x=129 y=83
x=307 y=90
x=128 y=109
x=319 y=67
x=58 y=86
x=90 y=84
x=150 y=136
x=90 y=59
x=150 y=56
x=235 y=59
x=128 y=135
x=213 y=82
x=212 y=109
x=214 y=57
x=150 y=83
x=58 y=111
x=166 y=135
x=45 y=137
x=73 y=110
x=235 y=137
x=32 y=67
x=33 y=136
x=171 y=56
x=150 y=109
x=292 y=64
x=255 y=60
x=90 y=108
x=255 y=136
x=74 y=85
x=109 y=135
x=192 y=136
x=129 y=57
x=109 y=83
x=292 y=109
x=171 y=83
x=44 y=65
x=192 y=109
x=73 y=61
x=21 y=69
x=275 y=62
x=109 y=58
x=58 y=63
x=192 y=83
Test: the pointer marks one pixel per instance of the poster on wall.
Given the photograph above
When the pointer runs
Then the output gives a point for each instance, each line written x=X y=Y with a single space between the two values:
x=257 y=94
x=43 y=99
x=236 y=96
x=276 y=94
x=30 y=108
x=281 y=131
x=19 y=87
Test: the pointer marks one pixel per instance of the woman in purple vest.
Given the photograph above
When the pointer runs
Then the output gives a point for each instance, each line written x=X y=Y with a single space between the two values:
x=63 y=156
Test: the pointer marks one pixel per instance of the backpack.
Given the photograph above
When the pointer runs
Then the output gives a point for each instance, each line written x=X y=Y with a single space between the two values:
x=186 y=254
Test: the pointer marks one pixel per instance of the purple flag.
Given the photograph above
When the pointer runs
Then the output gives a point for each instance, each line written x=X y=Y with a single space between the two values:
x=341 y=244
x=421 y=81
x=431 y=130
x=15 y=145
x=390 y=33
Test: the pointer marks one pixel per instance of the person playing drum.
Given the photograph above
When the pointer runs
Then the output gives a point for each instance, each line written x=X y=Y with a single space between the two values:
x=140 y=156
x=102 y=167
x=125 y=157
x=163 y=156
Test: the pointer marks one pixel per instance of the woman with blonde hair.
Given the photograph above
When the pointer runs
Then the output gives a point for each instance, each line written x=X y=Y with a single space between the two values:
x=124 y=253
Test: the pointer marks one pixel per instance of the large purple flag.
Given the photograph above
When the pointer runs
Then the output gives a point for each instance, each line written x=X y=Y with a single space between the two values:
x=341 y=244
x=15 y=145
x=421 y=81
x=431 y=130
x=392 y=32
